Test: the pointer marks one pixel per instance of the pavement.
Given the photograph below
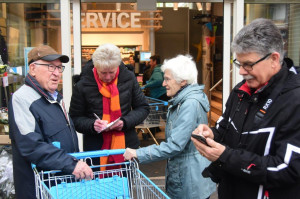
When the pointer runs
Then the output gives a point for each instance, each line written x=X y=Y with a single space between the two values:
x=156 y=170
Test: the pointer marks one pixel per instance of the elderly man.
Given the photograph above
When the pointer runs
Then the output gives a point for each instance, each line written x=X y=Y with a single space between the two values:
x=255 y=146
x=37 y=117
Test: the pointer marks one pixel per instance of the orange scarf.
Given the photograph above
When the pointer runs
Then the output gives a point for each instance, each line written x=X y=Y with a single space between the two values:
x=111 y=111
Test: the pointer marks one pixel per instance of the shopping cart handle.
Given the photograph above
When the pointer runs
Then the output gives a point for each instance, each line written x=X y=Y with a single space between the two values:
x=99 y=153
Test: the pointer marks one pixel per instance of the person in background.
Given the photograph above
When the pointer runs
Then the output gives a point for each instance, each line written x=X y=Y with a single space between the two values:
x=131 y=60
x=37 y=117
x=188 y=108
x=154 y=84
x=147 y=72
x=255 y=146
x=109 y=90
x=131 y=64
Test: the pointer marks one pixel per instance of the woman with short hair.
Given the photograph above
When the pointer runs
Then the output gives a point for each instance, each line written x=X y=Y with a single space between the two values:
x=106 y=88
x=188 y=108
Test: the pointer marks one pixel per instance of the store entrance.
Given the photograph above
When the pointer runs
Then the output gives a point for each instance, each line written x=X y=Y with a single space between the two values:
x=172 y=29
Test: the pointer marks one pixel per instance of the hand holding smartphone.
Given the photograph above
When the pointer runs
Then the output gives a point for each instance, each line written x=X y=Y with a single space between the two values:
x=200 y=138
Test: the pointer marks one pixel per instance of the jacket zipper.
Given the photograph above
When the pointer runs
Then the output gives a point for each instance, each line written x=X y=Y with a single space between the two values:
x=62 y=106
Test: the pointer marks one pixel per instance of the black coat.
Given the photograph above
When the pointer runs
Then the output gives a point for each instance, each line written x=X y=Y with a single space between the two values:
x=86 y=100
x=261 y=155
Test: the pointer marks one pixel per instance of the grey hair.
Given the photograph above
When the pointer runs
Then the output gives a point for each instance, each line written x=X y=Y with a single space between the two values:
x=182 y=67
x=107 y=56
x=261 y=36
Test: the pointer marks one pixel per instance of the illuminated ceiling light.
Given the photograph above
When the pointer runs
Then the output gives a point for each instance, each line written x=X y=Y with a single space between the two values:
x=118 y=6
x=175 y=6
x=199 y=6
x=208 y=6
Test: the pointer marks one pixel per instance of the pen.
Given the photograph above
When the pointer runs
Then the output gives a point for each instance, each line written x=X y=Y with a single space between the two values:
x=98 y=119
x=97 y=116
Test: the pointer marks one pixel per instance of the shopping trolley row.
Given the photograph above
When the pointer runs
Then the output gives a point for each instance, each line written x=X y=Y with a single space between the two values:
x=125 y=182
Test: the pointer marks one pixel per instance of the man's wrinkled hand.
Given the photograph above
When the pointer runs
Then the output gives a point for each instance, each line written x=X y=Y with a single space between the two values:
x=83 y=171
x=204 y=130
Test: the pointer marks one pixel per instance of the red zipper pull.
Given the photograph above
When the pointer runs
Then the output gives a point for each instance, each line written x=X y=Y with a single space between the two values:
x=266 y=195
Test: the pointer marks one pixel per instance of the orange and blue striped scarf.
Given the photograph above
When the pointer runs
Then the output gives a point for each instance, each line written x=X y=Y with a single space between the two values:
x=111 y=111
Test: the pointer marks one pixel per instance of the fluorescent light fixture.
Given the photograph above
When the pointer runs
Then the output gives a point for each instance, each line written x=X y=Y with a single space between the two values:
x=208 y=6
x=118 y=6
x=175 y=6
x=199 y=6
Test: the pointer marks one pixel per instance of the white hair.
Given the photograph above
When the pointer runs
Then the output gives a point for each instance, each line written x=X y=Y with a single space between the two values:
x=107 y=56
x=182 y=67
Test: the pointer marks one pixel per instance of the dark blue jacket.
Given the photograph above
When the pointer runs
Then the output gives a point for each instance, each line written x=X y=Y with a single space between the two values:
x=36 y=120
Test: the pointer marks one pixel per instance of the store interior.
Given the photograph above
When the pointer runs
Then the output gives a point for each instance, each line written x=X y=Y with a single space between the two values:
x=173 y=28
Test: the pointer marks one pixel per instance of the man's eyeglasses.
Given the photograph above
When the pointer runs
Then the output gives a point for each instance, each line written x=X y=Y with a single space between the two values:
x=51 y=67
x=249 y=66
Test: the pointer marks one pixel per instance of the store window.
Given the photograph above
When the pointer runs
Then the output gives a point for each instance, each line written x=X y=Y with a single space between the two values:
x=22 y=27
x=26 y=25
x=121 y=24
x=286 y=16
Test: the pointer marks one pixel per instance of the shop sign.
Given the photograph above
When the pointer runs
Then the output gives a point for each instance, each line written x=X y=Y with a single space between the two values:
x=112 y=19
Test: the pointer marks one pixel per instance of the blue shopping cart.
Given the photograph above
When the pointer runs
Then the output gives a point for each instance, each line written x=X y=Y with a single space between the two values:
x=156 y=117
x=123 y=183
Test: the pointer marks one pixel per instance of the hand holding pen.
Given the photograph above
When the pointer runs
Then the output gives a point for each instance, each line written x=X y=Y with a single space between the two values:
x=99 y=124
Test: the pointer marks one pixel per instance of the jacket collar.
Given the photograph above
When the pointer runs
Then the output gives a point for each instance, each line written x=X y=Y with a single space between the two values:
x=266 y=89
x=194 y=89
x=33 y=83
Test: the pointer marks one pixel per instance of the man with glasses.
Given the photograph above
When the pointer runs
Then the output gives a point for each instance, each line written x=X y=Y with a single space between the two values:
x=255 y=146
x=37 y=117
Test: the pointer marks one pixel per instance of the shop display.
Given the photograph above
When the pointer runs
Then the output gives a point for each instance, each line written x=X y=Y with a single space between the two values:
x=4 y=129
x=9 y=83
x=7 y=189
x=126 y=51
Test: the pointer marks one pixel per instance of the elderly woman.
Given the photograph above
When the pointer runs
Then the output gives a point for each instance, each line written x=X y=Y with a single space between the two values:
x=188 y=108
x=107 y=90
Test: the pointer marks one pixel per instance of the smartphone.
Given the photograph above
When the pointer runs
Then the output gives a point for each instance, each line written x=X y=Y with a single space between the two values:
x=200 y=138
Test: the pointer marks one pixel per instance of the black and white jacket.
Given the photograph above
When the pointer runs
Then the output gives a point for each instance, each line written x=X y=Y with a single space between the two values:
x=262 y=156
x=35 y=121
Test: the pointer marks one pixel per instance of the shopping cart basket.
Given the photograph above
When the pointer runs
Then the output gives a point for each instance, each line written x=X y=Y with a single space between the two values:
x=156 y=117
x=126 y=182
